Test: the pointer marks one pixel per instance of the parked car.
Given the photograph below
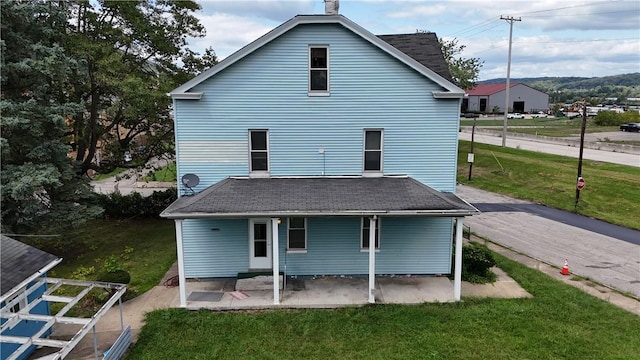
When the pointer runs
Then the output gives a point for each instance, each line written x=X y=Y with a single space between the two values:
x=515 y=116
x=630 y=127
x=470 y=115
x=539 y=114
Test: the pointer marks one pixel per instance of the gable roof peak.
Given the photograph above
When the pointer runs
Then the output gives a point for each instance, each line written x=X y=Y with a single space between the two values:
x=449 y=89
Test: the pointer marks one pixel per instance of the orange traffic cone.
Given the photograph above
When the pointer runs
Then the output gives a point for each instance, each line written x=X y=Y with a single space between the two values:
x=565 y=268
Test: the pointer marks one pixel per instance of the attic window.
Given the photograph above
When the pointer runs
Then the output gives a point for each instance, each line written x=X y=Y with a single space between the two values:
x=318 y=69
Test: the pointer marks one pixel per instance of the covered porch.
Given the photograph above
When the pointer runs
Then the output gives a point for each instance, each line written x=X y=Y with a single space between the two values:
x=273 y=199
x=316 y=292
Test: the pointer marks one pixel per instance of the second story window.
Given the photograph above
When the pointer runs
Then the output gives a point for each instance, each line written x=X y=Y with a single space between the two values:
x=372 y=151
x=318 y=69
x=258 y=151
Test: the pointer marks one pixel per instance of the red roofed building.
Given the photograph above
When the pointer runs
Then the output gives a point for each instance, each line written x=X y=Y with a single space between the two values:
x=490 y=98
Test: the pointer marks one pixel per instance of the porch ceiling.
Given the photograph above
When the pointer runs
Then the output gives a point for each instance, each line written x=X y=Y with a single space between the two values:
x=318 y=196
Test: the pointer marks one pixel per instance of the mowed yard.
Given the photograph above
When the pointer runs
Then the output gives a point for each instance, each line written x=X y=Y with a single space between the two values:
x=559 y=322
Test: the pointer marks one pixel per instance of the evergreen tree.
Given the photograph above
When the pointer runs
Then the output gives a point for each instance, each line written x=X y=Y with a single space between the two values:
x=40 y=183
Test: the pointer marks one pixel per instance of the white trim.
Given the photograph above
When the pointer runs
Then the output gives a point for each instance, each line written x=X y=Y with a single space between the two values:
x=311 y=92
x=378 y=224
x=268 y=260
x=182 y=279
x=321 y=19
x=276 y=260
x=297 y=250
x=258 y=173
x=372 y=173
x=435 y=213
x=186 y=96
x=457 y=276
x=372 y=261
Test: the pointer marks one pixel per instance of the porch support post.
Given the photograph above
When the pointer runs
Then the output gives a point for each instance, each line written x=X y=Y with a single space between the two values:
x=276 y=261
x=372 y=259
x=457 y=277
x=182 y=280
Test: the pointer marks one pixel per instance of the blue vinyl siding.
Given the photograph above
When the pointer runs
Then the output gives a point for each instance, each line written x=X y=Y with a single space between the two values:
x=408 y=246
x=26 y=327
x=268 y=90
x=215 y=253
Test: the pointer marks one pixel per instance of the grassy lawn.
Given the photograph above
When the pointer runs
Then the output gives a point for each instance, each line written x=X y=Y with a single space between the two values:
x=559 y=322
x=562 y=131
x=611 y=192
x=556 y=127
x=166 y=173
x=143 y=247
x=115 y=172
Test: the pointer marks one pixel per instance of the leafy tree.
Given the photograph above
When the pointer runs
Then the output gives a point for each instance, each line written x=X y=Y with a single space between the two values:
x=130 y=53
x=464 y=71
x=40 y=184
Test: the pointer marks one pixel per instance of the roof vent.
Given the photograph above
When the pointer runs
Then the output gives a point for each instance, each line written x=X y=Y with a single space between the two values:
x=331 y=7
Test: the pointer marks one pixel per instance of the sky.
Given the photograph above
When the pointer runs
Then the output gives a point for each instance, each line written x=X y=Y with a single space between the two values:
x=553 y=38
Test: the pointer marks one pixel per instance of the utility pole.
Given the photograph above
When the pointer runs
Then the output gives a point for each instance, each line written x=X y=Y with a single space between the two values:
x=579 y=178
x=509 y=19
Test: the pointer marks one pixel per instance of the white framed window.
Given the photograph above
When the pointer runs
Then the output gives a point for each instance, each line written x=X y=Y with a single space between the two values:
x=318 y=70
x=364 y=234
x=258 y=151
x=297 y=234
x=372 y=151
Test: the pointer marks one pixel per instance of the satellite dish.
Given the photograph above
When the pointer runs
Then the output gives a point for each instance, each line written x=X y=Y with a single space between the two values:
x=190 y=181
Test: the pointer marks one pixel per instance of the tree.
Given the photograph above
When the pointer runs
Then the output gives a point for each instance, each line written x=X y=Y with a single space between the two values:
x=463 y=70
x=129 y=52
x=40 y=184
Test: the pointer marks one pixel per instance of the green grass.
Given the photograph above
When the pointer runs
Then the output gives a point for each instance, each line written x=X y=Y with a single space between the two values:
x=143 y=247
x=611 y=192
x=566 y=122
x=166 y=173
x=115 y=172
x=561 y=131
x=559 y=322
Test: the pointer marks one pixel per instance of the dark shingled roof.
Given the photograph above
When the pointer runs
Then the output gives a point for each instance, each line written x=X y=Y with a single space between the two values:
x=318 y=196
x=19 y=262
x=423 y=48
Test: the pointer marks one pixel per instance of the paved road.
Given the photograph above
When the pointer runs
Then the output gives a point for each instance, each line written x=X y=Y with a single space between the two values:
x=592 y=254
x=565 y=217
x=556 y=147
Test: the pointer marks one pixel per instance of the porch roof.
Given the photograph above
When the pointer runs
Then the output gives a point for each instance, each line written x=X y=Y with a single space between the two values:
x=318 y=196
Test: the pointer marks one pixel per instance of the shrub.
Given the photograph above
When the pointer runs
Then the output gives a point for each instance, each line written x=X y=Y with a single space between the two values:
x=117 y=205
x=477 y=260
x=118 y=276
x=608 y=118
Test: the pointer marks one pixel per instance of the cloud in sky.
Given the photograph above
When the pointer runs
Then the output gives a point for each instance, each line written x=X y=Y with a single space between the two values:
x=569 y=38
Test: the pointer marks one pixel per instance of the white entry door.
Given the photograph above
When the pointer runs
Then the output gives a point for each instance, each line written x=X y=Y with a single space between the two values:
x=260 y=244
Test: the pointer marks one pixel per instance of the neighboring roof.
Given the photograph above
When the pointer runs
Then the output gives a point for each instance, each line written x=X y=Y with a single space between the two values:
x=489 y=89
x=19 y=262
x=422 y=47
x=318 y=196
x=449 y=89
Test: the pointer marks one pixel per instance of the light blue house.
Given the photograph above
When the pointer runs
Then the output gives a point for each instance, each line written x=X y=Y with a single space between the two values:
x=312 y=143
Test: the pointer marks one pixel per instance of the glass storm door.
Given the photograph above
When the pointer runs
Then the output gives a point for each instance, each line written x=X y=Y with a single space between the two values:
x=260 y=244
